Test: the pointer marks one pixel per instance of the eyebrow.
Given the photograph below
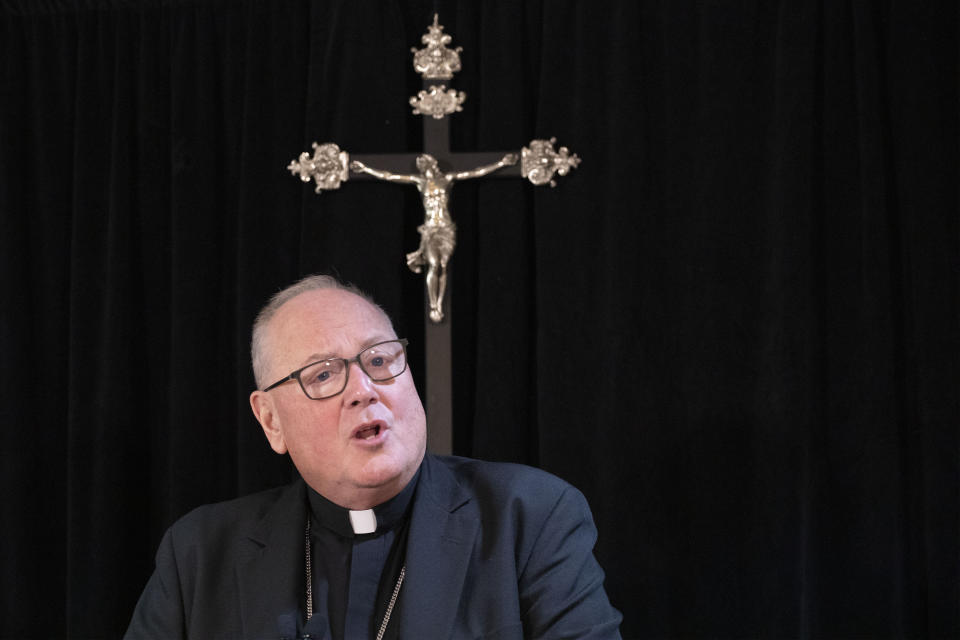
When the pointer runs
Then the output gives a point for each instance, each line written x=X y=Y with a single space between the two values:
x=315 y=357
x=319 y=357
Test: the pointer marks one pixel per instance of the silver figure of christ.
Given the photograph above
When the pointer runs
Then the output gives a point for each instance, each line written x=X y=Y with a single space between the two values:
x=438 y=233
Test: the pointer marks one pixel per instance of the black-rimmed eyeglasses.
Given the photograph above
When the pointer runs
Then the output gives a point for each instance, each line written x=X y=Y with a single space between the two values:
x=327 y=378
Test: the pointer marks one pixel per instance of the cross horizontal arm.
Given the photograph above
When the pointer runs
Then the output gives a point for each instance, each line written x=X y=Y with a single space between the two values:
x=406 y=163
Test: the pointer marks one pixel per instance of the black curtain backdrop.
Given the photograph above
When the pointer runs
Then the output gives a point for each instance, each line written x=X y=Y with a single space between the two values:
x=736 y=327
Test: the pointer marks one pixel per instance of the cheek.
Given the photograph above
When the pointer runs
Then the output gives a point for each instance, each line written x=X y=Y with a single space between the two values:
x=412 y=414
x=311 y=428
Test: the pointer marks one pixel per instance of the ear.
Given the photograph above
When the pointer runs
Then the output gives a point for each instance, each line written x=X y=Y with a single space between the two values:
x=266 y=414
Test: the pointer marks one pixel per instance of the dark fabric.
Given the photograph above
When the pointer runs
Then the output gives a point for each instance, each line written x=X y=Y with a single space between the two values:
x=348 y=582
x=735 y=327
x=336 y=518
x=389 y=578
x=334 y=552
x=494 y=550
x=369 y=558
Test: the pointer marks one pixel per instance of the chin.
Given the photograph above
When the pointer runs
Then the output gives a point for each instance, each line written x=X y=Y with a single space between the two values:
x=381 y=472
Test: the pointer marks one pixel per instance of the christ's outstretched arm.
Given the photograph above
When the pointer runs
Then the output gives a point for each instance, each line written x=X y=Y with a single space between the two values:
x=358 y=167
x=507 y=160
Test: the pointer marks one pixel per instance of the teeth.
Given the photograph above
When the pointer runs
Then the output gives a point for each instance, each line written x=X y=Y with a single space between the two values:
x=368 y=432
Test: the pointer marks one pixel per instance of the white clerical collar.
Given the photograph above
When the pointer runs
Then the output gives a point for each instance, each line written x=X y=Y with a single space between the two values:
x=363 y=521
x=349 y=524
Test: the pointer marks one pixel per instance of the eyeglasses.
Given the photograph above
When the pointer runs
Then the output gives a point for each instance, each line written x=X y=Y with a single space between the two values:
x=327 y=378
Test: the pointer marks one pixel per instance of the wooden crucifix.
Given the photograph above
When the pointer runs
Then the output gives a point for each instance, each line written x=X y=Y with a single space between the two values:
x=328 y=167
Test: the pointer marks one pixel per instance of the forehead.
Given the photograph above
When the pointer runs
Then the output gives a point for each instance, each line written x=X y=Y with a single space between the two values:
x=327 y=322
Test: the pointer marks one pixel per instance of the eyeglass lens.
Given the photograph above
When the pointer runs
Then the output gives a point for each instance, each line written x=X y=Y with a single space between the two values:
x=329 y=377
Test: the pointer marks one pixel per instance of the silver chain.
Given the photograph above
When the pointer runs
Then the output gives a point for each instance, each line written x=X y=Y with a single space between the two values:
x=393 y=601
x=309 y=566
x=308 y=563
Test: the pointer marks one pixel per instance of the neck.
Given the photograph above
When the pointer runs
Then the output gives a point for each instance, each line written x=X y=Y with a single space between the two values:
x=348 y=521
x=358 y=499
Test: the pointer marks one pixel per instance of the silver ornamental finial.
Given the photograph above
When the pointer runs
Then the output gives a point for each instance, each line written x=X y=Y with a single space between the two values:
x=436 y=61
x=539 y=162
x=438 y=102
x=327 y=167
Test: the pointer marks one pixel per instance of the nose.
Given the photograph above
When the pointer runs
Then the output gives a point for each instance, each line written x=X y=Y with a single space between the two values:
x=361 y=390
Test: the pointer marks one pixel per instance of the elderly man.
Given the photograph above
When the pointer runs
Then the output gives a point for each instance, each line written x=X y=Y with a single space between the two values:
x=378 y=540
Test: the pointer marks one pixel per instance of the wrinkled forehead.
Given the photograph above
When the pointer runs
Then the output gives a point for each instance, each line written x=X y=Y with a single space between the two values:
x=327 y=321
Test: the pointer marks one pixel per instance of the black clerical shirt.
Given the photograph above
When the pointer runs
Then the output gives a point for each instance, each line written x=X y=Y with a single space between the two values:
x=354 y=575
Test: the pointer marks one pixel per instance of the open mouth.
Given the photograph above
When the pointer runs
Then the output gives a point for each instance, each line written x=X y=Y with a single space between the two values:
x=368 y=432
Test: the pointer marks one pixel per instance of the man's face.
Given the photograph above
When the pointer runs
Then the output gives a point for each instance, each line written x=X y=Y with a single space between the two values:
x=329 y=440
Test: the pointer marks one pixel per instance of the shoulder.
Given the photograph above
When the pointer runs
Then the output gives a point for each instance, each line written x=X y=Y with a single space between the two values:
x=209 y=522
x=511 y=488
x=534 y=514
x=499 y=476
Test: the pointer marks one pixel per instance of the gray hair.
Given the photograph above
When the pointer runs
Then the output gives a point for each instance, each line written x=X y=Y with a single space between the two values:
x=258 y=340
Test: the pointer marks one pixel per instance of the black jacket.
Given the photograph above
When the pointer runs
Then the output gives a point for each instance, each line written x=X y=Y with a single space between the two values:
x=495 y=551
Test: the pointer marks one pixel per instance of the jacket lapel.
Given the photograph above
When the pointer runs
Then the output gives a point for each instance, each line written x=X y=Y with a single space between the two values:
x=443 y=526
x=270 y=553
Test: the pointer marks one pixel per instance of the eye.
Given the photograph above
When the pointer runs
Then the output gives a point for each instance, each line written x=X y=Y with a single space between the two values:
x=383 y=361
x=321 y=372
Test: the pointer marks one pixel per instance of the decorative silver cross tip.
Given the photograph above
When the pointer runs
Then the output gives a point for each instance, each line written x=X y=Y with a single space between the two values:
x=539 y=162
x=439 y=102
x=436 y=61
x=327 y=167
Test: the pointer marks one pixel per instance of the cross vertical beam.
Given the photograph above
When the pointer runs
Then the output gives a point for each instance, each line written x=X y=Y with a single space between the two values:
x=438 y=336
x=437 y=169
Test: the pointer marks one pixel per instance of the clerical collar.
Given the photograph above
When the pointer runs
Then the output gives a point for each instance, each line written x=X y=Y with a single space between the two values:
x=349 y=524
